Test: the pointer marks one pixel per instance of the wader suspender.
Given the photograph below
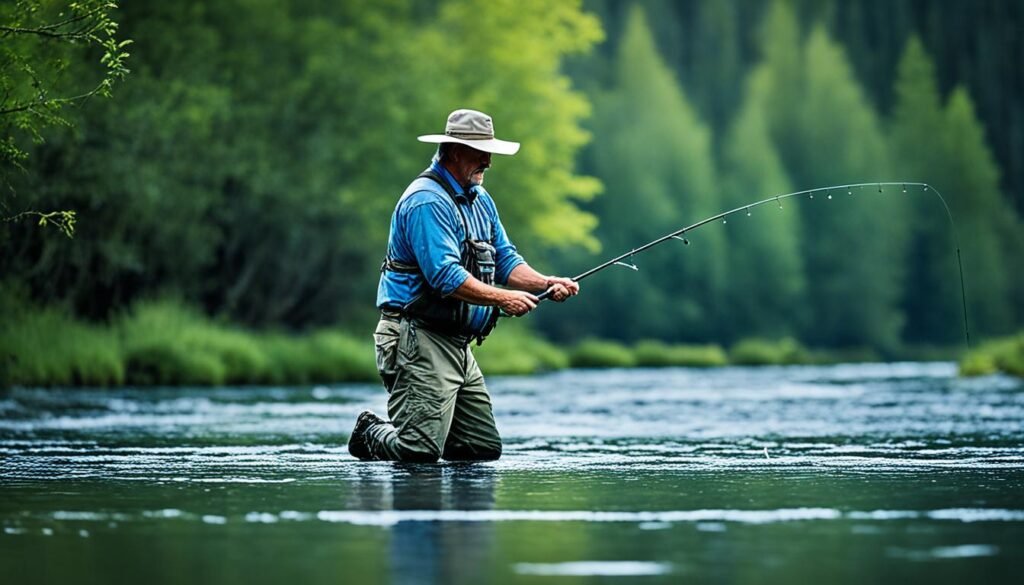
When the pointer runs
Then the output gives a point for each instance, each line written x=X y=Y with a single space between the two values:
x=403 y=268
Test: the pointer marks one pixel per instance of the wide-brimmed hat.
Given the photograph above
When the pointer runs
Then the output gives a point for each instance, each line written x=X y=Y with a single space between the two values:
x=474 y=129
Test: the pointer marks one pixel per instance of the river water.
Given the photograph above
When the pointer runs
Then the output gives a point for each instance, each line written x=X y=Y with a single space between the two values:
x=839 y=474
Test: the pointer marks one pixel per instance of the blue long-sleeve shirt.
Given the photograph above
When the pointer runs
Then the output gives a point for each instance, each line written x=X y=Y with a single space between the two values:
x=427 y=231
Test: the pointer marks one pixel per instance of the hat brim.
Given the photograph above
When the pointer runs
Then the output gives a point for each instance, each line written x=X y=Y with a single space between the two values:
x=491 y=145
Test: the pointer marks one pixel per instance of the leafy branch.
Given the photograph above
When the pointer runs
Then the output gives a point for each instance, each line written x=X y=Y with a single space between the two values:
x=36 y=47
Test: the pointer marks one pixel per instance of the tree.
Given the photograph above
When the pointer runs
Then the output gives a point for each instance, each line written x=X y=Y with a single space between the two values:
x=827 y=133
x=945 y=146
x=42 y=41
x=990 y=226
x=252 y=164
x=932 y=292
x=654 y=157
x=765 y=277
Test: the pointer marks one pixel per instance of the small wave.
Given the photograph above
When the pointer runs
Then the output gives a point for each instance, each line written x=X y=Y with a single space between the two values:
x=946 y=552
x=594 y=568
x=709 y=520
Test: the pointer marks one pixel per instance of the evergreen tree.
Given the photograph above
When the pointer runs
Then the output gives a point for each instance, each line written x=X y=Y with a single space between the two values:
x=765 y=275
x=828 y=134
x=945 y=146
x=654 y=157
x=932 y=291
x=989 y=226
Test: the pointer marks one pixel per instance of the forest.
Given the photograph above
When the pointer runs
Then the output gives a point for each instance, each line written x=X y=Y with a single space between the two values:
x=239 y=161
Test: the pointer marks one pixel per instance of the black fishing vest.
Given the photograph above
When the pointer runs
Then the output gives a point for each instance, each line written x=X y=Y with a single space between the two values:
x=448 y=315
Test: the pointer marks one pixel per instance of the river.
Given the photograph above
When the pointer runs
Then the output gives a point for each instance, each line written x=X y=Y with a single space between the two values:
x=835 y=474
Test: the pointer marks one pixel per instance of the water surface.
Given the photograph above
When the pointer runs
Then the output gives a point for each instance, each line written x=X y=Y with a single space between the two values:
x=847 y=474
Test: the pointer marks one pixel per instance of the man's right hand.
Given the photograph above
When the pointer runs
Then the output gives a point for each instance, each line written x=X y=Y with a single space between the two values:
x=518 y=303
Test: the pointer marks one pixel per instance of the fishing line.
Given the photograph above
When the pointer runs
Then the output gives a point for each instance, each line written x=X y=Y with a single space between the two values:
x=777 y=199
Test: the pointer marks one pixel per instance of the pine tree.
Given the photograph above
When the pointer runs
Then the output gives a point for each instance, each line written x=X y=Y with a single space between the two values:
x=654 y=156
x=945 y=146
x=931 y=293
x=765 y=274
x=989 y=226
x=828 y=134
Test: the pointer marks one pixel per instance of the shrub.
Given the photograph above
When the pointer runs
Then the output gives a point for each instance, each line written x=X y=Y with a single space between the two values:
x=170 y=364
x=594 y=353
x=1005 y=355
x=759 y=352
x=515 y=350
x=658 y=354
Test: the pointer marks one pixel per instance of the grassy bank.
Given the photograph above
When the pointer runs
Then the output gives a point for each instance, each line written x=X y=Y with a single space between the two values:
x=999 y=355
x=166 y=343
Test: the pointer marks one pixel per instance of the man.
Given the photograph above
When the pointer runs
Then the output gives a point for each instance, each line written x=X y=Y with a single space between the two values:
x=446 y=252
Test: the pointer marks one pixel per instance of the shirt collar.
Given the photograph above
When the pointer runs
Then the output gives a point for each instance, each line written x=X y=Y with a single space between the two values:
x=469 y=195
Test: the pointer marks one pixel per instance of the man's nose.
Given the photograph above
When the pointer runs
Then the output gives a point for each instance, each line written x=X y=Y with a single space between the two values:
x=486 y=159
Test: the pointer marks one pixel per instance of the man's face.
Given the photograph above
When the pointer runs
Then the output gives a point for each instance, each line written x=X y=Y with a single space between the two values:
x=471 y=164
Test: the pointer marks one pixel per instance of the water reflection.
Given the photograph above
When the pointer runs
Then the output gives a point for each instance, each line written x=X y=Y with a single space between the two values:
x=433 y=551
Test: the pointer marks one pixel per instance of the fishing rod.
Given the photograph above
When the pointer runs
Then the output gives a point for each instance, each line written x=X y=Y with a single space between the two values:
x=810 y=193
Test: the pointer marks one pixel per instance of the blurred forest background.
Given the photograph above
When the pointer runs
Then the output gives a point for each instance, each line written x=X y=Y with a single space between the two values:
x=247 y=165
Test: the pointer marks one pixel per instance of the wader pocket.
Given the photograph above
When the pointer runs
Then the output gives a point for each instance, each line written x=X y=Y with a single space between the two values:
x=407 y=343
x=385 y=341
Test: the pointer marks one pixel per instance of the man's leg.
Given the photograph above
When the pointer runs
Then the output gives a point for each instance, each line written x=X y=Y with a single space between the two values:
x=473 y=435
x=428 y=372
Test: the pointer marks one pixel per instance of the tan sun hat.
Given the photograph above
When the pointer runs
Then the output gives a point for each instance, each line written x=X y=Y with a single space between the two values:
x=474 y=129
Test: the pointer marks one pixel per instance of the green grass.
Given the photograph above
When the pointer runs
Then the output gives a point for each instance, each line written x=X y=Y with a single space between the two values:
x=47 y=348
x=168 y=343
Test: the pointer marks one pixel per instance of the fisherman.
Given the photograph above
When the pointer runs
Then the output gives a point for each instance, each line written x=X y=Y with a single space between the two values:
x=449 y=269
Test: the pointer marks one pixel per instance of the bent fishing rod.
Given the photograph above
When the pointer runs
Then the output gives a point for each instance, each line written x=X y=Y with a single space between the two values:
x=810 y=193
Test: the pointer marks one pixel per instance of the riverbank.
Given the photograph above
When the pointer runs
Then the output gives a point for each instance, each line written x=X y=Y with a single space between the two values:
x=166 y=343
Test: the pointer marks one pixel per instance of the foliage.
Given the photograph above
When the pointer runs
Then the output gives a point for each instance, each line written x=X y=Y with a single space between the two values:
x=828 y=134
x=766 y=290
x=40 y=77
x=959 y=165
x=998 y=355
x=256 y=179
x=656 y=162
x=249 y=164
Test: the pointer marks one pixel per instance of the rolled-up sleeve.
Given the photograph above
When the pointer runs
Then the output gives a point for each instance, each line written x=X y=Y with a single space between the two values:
x=434 y=238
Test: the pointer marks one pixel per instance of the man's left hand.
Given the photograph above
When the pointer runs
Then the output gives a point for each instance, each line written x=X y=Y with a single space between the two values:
x=562 y=288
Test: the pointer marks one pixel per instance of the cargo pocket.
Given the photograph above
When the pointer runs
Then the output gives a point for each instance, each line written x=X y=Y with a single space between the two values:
x=385 y=340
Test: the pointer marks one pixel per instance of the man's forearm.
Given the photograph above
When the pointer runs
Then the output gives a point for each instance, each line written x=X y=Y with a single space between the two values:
x=523 y=277
x=513 y=302
x=477 y=293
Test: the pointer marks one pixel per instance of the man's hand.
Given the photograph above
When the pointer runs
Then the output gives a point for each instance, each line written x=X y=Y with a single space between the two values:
x=561 y=288
x=517 y=303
